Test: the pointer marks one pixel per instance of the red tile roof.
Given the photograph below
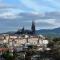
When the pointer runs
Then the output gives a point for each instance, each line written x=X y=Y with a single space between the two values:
x=4 y=49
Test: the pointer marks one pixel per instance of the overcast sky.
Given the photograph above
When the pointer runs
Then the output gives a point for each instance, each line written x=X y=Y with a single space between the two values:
x=15 y=14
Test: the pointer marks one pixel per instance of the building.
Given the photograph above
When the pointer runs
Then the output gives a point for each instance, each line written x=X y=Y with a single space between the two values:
x=23 y=31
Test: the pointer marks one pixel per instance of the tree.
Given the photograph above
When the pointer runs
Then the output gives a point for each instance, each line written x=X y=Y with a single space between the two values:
x=7 y=56
x=56 y=50
x=50 y=44
x=56 y=39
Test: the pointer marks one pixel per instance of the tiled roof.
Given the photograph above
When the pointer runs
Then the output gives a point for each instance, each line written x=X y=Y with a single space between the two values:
x=4 y=49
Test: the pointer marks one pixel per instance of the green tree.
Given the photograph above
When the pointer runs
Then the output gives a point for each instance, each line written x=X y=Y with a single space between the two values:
x=7 y=56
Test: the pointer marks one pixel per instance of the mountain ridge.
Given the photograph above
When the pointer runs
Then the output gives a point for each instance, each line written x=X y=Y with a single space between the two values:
x=49 y=32
x=45 y=32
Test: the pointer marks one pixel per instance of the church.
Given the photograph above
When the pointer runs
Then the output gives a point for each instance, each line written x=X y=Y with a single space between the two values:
x=23 y=31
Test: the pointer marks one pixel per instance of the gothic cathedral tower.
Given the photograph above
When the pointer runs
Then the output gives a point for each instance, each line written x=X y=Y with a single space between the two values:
x=33 y=27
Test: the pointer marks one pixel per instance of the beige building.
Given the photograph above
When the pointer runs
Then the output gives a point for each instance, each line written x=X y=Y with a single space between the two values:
x=15 y=40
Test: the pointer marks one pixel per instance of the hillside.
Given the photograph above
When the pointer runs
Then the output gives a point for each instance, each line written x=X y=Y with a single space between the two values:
x=46 y=32
x=49 y=32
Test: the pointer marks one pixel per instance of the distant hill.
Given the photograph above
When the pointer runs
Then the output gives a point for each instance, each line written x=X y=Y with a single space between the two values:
x=46 y=32
x=49 y=32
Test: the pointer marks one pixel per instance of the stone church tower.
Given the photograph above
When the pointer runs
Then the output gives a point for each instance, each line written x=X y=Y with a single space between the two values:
x=33 y=27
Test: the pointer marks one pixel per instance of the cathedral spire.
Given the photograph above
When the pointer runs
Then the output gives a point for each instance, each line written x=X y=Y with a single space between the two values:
x=33 y=27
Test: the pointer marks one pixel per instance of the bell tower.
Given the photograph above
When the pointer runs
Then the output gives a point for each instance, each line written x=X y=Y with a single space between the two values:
x=33 y=27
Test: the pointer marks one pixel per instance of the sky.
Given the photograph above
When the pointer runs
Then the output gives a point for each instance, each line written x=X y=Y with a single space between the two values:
x=14 y=14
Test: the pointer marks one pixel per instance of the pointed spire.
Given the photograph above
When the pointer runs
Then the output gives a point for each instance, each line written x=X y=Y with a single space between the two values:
x=33 y=27
x=23 y=30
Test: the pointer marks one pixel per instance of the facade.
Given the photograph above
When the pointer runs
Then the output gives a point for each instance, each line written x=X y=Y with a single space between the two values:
x=15 y=40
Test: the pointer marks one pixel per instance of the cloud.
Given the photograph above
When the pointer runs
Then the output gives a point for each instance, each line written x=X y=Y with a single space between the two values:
x=51 y=21
x=14 y=13
x=8 y=4
x=31 y=5
x=25 y=19
x=8 y=15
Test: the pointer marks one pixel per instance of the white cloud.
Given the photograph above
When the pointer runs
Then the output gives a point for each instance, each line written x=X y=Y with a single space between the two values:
x=8 y=5
x=8 y=15
x=48 y=21
x=33 y=5
x=51 y=21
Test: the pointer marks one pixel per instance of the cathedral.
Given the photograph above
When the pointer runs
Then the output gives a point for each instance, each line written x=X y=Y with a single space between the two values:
x=23 y=31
